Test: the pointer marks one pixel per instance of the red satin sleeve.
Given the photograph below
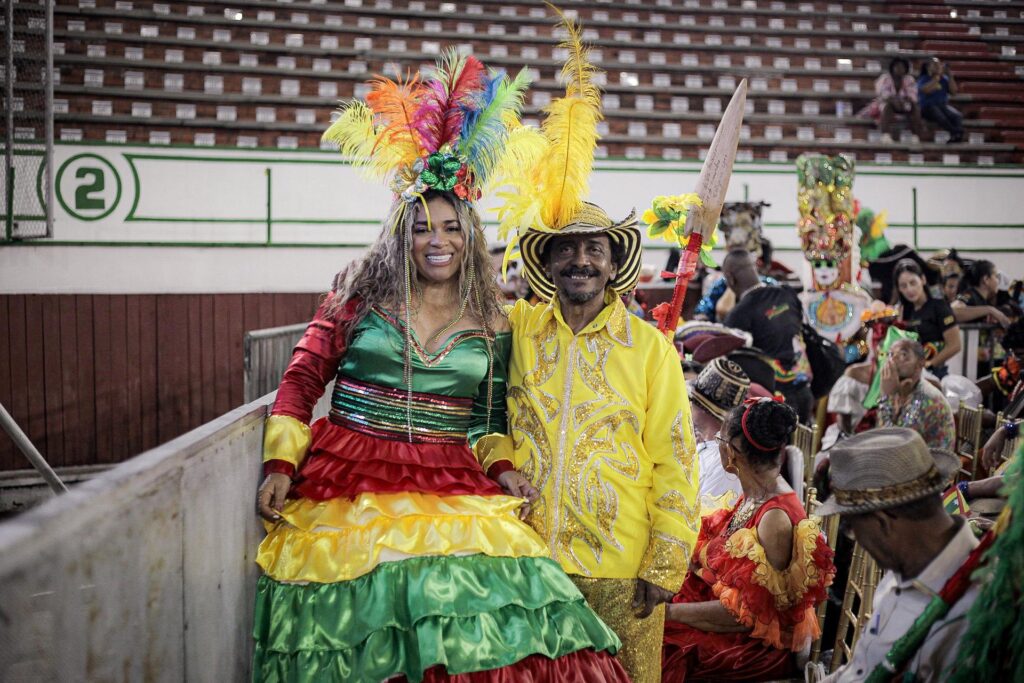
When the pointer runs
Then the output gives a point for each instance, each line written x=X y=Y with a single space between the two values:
x=314 y=362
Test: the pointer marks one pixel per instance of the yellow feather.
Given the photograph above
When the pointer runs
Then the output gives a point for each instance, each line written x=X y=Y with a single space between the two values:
x=362 y=143
x=571 y=130
x=525 y=147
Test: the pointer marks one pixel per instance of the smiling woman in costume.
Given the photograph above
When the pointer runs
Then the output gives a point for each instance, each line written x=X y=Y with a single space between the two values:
x=389 y=551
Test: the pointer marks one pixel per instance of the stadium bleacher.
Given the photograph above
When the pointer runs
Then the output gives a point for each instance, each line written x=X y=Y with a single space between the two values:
x=268 y=74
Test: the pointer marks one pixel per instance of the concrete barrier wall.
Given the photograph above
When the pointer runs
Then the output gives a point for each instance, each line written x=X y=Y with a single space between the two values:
x=145 y=573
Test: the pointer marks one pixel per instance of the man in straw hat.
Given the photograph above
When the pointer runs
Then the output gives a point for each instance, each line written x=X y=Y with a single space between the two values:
x=599 y=424
x=887 y=486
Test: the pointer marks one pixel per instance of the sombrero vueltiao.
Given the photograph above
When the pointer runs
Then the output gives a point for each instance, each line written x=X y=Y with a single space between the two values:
x=545 y=196
x=590 y=220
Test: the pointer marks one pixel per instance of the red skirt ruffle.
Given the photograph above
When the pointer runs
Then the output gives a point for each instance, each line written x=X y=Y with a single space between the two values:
x=692 y=655
x=342 y=462
x=582 y=666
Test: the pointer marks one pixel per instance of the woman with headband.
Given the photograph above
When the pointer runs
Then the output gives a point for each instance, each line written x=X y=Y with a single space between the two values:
x=758 y=569
x=390 y=554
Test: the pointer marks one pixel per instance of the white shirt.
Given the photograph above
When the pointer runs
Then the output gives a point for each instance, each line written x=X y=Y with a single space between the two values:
x=898 y=602
x=718 y=488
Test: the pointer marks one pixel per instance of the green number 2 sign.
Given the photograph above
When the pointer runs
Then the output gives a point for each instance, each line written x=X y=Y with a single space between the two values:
x=83 y=202
x=88 y=187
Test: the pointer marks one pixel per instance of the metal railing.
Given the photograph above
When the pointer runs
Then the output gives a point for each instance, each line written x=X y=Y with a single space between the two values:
x=267 y=353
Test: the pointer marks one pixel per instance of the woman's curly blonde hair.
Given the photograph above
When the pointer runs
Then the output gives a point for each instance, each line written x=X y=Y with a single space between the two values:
x=379 y=278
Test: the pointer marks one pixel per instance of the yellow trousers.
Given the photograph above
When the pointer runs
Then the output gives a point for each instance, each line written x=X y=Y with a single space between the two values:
x=612 y=599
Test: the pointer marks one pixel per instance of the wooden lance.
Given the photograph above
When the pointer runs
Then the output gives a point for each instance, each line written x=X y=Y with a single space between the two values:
x=711 y=188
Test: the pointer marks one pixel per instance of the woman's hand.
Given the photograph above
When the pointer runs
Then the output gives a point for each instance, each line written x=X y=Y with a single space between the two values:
x=515 y=484
x=271 y=495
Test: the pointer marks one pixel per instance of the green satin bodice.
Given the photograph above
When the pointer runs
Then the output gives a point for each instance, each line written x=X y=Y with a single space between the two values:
x=460 y=368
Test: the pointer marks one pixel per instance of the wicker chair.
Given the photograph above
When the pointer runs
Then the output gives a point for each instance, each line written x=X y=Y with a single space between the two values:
x=968 y=440
x=830 y=527
x=804 y=438
x=864 y=576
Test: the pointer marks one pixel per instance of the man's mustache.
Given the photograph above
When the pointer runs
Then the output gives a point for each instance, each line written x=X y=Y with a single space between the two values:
x=574 y=270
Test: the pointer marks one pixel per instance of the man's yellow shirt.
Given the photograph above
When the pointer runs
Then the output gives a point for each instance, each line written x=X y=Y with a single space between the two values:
x=599 y=422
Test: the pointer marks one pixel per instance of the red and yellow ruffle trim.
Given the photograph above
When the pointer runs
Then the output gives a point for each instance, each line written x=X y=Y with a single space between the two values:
x=778 y=606
x=341 y=539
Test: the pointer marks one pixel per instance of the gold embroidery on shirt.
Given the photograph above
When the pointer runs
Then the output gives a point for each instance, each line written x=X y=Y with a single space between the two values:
x=594 y=378
x=590 y=496
x=547 y=364
x=683 y=452
x=666 y=561
x=675 y=502
x=526 y=425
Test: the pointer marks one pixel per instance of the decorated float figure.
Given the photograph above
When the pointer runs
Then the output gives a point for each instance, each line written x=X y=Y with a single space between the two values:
x=825 y=200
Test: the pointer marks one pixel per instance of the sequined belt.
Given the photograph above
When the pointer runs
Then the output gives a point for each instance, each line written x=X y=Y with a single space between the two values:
x=394 y=414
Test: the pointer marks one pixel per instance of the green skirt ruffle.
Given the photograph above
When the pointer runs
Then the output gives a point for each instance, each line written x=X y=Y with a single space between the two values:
x=469 y=613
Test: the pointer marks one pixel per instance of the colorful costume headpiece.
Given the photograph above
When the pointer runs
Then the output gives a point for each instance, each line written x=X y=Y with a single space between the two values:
x=446 y=133
x=825 y=201
x=548 y=172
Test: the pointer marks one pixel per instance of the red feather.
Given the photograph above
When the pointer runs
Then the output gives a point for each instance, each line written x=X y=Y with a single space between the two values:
x=439 y=117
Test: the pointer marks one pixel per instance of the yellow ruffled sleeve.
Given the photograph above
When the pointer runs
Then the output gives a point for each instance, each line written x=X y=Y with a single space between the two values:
x=285 y=438
x=778 y=606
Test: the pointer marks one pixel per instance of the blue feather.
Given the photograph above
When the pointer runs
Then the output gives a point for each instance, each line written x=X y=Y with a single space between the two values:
x=483 y=137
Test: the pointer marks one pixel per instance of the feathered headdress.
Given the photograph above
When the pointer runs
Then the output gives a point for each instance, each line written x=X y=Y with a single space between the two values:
x=550 y=177
x=445 y=133
x=547 y=174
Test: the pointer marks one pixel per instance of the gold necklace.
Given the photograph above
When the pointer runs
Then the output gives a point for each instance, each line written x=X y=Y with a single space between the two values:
x=743 y=514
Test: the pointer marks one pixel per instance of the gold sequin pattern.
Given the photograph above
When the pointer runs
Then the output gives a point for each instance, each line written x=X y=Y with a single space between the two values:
x=593 y=377
x=546 y=348
x=641 y=639
x=665 y=562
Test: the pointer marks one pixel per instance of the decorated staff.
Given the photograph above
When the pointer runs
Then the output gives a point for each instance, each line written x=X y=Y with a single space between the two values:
x=690 y=219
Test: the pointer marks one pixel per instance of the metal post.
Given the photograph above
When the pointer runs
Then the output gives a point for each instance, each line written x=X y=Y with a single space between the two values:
x=9 y=103
x=33 y=455
x=48 y=123
x=913 y=191
x=269 y=220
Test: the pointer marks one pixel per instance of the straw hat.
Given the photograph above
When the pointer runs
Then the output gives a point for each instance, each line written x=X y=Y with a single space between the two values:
x=883 y=468
x=589 y=220
x=721 y=386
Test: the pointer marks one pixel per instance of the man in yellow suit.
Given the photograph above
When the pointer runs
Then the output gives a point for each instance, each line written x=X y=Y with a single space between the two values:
x=600 y=438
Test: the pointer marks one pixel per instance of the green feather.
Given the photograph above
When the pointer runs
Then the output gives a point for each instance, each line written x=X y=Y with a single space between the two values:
x=484 y=143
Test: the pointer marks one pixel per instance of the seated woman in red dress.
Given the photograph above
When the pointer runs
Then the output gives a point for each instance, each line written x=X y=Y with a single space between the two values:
x=758 y=569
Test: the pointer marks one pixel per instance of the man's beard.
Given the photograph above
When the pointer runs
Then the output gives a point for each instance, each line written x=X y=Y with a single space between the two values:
x=580 y=297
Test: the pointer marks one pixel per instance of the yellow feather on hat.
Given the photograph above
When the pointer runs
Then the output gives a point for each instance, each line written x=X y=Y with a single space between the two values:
x=547 y=171
x=571 y=131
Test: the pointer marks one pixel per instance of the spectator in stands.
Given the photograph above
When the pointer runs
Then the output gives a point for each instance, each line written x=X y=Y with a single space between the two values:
x=931 y=318
x=887 y=486
x=908 y=400
x=978 y=295
x=935 y=85
x=895 y=96
x=773 y=316
x=758 y=569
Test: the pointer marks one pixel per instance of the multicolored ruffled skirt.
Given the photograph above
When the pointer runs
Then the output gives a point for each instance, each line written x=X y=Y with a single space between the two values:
x=405 y=559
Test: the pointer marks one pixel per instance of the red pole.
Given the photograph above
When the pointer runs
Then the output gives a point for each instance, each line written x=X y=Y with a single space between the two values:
x=684 y=273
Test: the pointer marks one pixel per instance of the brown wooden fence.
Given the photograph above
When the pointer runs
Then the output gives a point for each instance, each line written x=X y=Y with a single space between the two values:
x=97 y=378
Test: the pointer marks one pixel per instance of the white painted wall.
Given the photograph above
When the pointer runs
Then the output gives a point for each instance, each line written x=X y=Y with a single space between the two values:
x=195 y=220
